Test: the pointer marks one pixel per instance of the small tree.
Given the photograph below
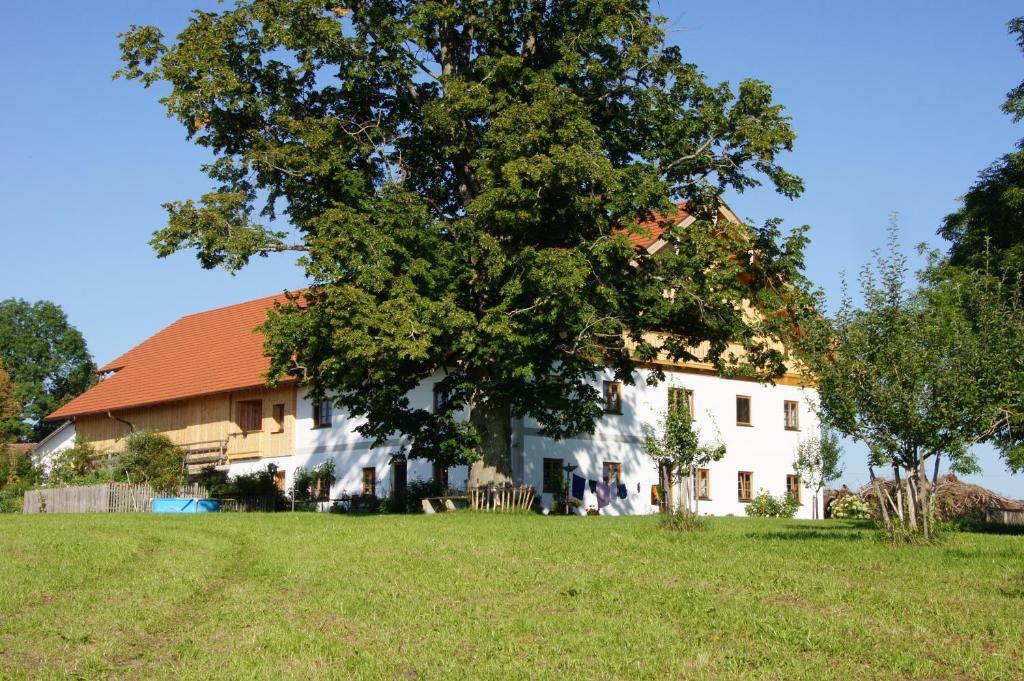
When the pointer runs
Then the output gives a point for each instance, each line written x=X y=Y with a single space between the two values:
x=679 y=453
x=73 y=464
x=151 y=457
x=921 y=375
x=817 y=463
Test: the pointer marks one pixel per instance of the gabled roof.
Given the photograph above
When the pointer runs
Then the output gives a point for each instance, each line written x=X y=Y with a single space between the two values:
x=655 y=226
x=201 y=354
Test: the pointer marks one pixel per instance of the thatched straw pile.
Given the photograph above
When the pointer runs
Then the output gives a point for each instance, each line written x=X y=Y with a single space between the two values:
x=954 y=498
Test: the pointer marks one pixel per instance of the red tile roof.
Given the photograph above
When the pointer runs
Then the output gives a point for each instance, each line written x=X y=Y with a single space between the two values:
x=657 y=224
x=201 y=354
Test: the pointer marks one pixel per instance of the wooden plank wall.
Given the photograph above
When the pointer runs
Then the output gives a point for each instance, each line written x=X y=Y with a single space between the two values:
x=104 y=498
x=203 y=419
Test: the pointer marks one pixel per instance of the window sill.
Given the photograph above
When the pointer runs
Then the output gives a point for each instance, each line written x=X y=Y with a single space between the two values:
x=744 y=501
x=703 y=498
x=745 y=425
x=793 y=430
x=319 y=427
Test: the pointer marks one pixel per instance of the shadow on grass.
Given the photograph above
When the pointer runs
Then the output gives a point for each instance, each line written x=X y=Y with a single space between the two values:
x=795 y=532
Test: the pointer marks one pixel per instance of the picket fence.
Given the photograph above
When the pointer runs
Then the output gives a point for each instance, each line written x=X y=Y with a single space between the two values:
x=104 y=498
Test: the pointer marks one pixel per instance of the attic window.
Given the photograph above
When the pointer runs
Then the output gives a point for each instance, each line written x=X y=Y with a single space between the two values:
x=249 y=415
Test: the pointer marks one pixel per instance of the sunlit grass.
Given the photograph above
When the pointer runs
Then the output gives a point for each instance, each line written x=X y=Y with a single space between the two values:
x=489 y=596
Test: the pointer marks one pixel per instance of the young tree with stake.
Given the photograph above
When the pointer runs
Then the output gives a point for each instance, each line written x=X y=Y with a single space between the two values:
x=817 y=463
x=678 y=453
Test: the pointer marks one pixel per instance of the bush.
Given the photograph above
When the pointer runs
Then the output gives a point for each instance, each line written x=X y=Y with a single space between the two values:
x=418 y=490
x=682 y=520
x=850 y=506
x=17 y=475
x=314 y=485
x=764 y=505
x=74 y=465
x=152 y=458
x=246 y=487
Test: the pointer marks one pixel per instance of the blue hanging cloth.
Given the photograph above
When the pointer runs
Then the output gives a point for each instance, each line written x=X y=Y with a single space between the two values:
x=593 y=486
x=577 y=486
x=622 y=490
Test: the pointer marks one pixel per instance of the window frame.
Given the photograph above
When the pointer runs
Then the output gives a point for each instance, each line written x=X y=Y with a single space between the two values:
x=256 y=413
x=704 y=473
x=750 y=411
x=318 y=413
x=277 y=414
x=795 y=405
x=609 y=408
x=750 y=486
x=440 y=398
x=675 y=390
x=554 y=463
x=368 y=490
x=794 y=489
x=606 y=467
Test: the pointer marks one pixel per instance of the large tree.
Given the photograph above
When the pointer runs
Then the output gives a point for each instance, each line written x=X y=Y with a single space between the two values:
x=10 y=409
x=987 y=231
x=921 y=374
x=462 y=177
x=47 y=359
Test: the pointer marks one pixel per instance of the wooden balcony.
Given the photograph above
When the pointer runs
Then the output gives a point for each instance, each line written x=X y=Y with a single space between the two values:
x=245 y=445
x=199 y=455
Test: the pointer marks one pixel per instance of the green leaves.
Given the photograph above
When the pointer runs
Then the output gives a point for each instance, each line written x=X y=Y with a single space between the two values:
x=459 y=176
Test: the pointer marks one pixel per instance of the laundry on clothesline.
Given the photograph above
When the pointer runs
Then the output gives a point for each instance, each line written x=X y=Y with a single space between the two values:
x=578 y=484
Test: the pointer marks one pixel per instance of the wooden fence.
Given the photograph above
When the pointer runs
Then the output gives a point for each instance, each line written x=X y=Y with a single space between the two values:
x=103 y=498
x=1005 y=516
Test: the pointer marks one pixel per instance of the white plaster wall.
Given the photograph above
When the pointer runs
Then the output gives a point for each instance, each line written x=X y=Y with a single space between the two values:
x=59 y=440
x=765 y=448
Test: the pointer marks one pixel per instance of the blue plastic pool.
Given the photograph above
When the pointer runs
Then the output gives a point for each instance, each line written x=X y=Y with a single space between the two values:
x=170 y=505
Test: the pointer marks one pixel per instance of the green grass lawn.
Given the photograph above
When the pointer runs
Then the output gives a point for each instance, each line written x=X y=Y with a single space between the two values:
x=488 y=596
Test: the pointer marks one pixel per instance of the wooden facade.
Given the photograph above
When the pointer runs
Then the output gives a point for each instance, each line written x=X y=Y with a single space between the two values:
x=207 y=423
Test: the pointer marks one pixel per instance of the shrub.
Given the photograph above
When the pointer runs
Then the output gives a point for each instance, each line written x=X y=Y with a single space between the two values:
x=764 y=505
x=152 y=458
x=418 y=490
x=72 y=466
x=17 y=475
x=682 y=520
x=850 y=506
x=245 y=487
x=314 y=485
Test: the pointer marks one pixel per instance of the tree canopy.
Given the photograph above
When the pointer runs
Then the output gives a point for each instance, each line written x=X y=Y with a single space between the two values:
x=987 y=231
x=47 y=360
x=461 y=178
x=10 y=408
x=923 y=373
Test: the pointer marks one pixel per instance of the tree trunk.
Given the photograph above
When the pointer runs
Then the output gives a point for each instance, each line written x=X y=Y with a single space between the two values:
x=911 y=501
x=899 y=493
x=881 y=501
x=493 y=420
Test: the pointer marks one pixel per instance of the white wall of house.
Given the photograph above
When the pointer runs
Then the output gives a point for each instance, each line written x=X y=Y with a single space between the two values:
x=57 y=441
x=765 y=448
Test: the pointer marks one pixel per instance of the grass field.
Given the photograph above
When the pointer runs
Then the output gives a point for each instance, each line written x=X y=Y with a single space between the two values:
x=483 y=596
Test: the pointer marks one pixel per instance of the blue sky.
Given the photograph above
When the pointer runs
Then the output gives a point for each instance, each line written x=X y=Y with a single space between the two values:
x=896 y=107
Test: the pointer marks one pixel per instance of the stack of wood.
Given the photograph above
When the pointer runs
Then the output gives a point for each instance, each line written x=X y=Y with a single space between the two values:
x=501 y=497
x=954 y=498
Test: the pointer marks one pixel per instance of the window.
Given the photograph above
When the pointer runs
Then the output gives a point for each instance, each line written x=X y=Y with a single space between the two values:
x=369 y=487
x=249 y=415
x=553 y=475
x=441 y=475
x=793 y=486
x=278 y=415
x=742 y=410
x=612 y=472
x=612 y=397
x=676 y=397
x=441 y=398
x=791 y=411
x=322 y=413
x=703 y=483
x=279 y=481
x=746 y=484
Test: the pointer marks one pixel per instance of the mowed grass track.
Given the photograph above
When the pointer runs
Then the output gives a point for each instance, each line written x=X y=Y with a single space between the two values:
x=478 y=596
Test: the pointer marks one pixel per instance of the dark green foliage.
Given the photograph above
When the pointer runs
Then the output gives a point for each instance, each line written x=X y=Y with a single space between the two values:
x=10 y=408
x=17 y=475
x=418 y=490
x=75 y=465
x=314 y=485
x=987 y=232
x=460 y=177
x=764 y=505
x=47 y=360
x=254 y=486
x=150 y=457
